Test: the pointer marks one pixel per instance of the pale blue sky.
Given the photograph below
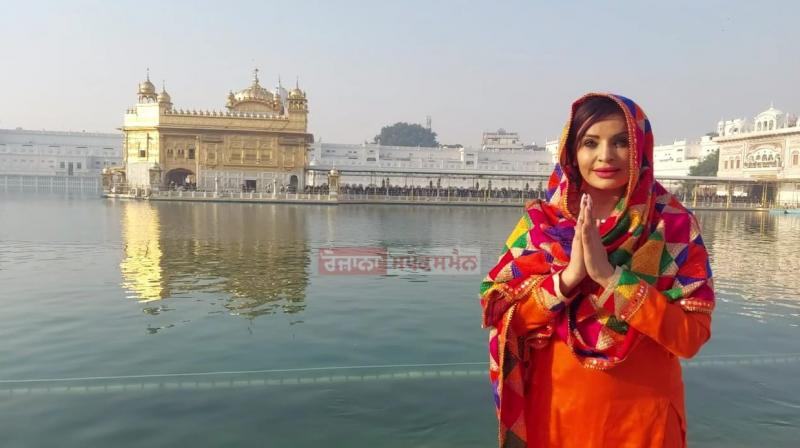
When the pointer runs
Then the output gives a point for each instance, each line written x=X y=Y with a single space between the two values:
x=472 y=66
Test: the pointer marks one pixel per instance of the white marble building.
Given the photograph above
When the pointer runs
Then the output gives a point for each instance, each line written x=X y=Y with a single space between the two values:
x=501 y=140
x=677 y=158
x=406 y=166
x=52 y=153
x=551 y=146
x=768 y=148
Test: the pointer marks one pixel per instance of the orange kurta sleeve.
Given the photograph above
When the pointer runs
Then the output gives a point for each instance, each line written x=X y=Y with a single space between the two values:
x=652 y=313
x=679 y=331
x=541 y=306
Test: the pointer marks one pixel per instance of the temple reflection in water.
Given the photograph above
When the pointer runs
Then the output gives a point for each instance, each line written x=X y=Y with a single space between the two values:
x=754 y=255
x=252 y=259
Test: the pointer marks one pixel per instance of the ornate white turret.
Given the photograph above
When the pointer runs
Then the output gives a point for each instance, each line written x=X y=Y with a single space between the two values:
x=769 y=120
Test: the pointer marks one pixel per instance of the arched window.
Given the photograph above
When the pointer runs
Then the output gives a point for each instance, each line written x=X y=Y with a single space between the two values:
x=758 y=126
x=737 y=163
x=795 y=158
x=726 y=164
x=770 y=125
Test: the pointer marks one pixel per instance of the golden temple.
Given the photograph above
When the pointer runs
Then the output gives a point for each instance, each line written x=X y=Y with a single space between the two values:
x=258 y=143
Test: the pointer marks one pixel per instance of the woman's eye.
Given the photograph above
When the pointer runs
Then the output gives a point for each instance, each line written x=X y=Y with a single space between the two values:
x=622 y=143
x=589 y=143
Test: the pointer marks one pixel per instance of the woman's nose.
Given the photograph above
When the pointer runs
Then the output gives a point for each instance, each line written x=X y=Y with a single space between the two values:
x=606 y=152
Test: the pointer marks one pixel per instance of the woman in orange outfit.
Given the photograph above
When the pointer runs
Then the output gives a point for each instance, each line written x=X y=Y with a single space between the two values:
x=600 y=289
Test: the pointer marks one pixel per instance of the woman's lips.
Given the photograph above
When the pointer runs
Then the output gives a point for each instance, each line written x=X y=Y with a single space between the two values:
x=606 y=173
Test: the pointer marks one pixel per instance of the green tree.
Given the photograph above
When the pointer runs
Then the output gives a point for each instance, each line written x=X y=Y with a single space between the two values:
x=707 y=167
x=405 y=134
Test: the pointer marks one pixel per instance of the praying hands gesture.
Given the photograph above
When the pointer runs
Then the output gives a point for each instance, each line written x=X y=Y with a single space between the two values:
x=588 y=255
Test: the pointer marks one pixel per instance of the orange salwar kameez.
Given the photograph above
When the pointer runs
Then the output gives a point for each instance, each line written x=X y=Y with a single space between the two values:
x=638 y=403
x=600 y=368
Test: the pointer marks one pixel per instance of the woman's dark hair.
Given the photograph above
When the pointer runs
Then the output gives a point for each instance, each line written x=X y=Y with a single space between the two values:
x=589 y=112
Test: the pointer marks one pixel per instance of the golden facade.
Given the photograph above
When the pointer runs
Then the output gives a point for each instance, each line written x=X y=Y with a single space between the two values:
x=258 y=143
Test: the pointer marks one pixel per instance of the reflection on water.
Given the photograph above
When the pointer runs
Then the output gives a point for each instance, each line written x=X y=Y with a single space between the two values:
x=391 y=361
x=141 y=268
x=754 y=256
x=255 y=257
x=255 y=260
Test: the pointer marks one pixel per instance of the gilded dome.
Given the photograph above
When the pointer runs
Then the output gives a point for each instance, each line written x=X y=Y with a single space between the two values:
x=255 y=99
x=254 y=93
x=164 y=97
x=147 y=87
x=296 y=93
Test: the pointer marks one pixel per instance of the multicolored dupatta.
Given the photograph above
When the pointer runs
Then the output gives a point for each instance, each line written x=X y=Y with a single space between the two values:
x=651 y=238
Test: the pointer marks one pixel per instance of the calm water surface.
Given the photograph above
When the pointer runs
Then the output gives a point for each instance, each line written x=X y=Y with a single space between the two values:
x=167 y=324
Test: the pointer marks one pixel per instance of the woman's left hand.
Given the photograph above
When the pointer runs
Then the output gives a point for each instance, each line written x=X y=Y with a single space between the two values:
x=594 y=253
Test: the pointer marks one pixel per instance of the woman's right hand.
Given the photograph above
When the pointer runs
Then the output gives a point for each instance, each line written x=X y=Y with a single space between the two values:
x=575 y=271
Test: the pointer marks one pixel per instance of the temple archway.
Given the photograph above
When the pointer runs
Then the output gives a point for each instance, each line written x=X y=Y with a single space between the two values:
x=179 y=177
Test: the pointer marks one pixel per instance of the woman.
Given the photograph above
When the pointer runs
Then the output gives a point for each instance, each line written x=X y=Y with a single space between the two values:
x=599 y=291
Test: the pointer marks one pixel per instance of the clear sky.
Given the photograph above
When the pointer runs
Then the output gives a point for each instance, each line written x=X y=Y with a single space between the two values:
x=471 y=66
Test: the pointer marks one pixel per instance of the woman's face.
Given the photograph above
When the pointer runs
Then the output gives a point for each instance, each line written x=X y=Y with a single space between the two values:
x=602 y=155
